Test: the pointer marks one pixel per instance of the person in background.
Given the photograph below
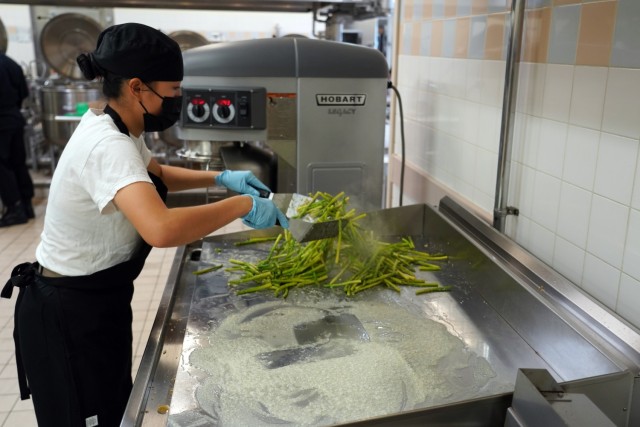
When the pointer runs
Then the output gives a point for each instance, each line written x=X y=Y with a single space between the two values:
x=382 y=39
x=16 y=186
x=104 y=213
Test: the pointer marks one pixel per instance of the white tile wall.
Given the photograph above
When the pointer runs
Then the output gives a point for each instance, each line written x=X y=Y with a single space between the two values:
x=435 y=79
x=607 y=230
x=424 y=71
x=523 y=230
x=468 y=162
x=519 y=132
x=470 y=121
x=426 y=103
x=485 y=179
x=526 y=204
x=574 y=215
x=483 y=200
x=473 y=83
x=541 y=242
x=581 y=155
x=568 y=259
x=628 y=298
x=631 y=263
x=587 y=96
x=454 y=73
x=409 y=83
x=635 y=198
x=488 y=135
x=530 y=88
x=575 y=159
x=533 y=129
x=622 y=103
x=556 y=100
x=616 y=167
x=546 y=196
x=446 y=114
x=601 y=280
x=515 y=182
x=492 y=74
x=553 y=137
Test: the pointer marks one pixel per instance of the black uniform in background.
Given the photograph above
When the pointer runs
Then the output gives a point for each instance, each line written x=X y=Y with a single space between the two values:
x=16 y=186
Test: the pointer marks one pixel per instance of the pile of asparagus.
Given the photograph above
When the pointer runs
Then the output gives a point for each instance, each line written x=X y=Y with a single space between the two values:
x=353 y=261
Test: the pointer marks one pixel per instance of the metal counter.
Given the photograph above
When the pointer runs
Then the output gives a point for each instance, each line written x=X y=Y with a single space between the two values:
x=506 y=311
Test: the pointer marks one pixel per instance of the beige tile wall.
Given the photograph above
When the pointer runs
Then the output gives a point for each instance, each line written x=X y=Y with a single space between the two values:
x=479 y=7
x=494 y=46
x=462 y=37
x=596 y=33
x=536 y=35
x=598 y=19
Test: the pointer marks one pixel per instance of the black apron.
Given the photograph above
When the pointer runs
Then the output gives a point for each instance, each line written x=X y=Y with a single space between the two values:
x=73 y=337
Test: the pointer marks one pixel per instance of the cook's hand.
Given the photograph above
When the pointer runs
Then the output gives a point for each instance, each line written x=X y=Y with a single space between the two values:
x=264 y=214
x=243 y=182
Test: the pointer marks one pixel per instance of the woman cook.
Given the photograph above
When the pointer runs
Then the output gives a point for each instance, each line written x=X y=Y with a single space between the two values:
x=105 y=211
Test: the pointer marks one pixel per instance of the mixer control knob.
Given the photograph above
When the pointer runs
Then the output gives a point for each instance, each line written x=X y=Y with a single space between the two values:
x=198 y=110
x=224 y=111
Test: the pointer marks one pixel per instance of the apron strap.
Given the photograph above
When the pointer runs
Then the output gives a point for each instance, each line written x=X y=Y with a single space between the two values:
x=25 y=392
x=160 y=186
x=23 y=275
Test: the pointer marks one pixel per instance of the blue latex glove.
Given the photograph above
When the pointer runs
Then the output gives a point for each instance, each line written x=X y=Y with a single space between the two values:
x=264 y=214
x=243 y=182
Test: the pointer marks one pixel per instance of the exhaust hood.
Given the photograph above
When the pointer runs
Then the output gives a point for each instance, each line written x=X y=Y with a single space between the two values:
x=246 y=5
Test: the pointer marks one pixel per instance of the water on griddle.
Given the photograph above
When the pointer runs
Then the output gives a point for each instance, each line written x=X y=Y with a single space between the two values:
x=408 y=361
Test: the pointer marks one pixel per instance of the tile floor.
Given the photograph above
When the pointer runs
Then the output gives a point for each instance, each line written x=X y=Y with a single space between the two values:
x=17 y=245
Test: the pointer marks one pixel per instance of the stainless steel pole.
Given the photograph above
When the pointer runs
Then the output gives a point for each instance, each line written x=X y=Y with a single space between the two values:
x=501 y=210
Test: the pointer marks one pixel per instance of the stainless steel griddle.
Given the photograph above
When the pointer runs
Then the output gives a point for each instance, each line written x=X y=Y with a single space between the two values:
x=507 y=311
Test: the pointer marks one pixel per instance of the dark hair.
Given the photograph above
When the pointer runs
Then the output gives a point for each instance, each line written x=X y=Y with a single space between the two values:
x=111 y=86
x=90 y=70
x=111 y=83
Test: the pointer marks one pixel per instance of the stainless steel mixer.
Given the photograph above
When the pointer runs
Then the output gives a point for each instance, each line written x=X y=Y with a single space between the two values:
x=319 y=106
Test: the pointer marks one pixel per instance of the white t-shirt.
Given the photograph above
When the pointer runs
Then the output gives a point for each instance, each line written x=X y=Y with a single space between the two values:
x=83 y=231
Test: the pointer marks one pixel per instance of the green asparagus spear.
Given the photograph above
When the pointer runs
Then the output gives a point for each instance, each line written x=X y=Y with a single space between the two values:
x=353 y=261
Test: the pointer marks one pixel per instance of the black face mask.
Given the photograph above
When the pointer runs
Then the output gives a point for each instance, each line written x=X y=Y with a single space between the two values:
x=171 y=106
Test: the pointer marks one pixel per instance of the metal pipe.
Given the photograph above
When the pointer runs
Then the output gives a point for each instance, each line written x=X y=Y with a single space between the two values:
x=501 y=210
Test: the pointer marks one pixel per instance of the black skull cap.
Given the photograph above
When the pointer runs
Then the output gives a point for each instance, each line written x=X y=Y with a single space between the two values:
x=136 y=50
